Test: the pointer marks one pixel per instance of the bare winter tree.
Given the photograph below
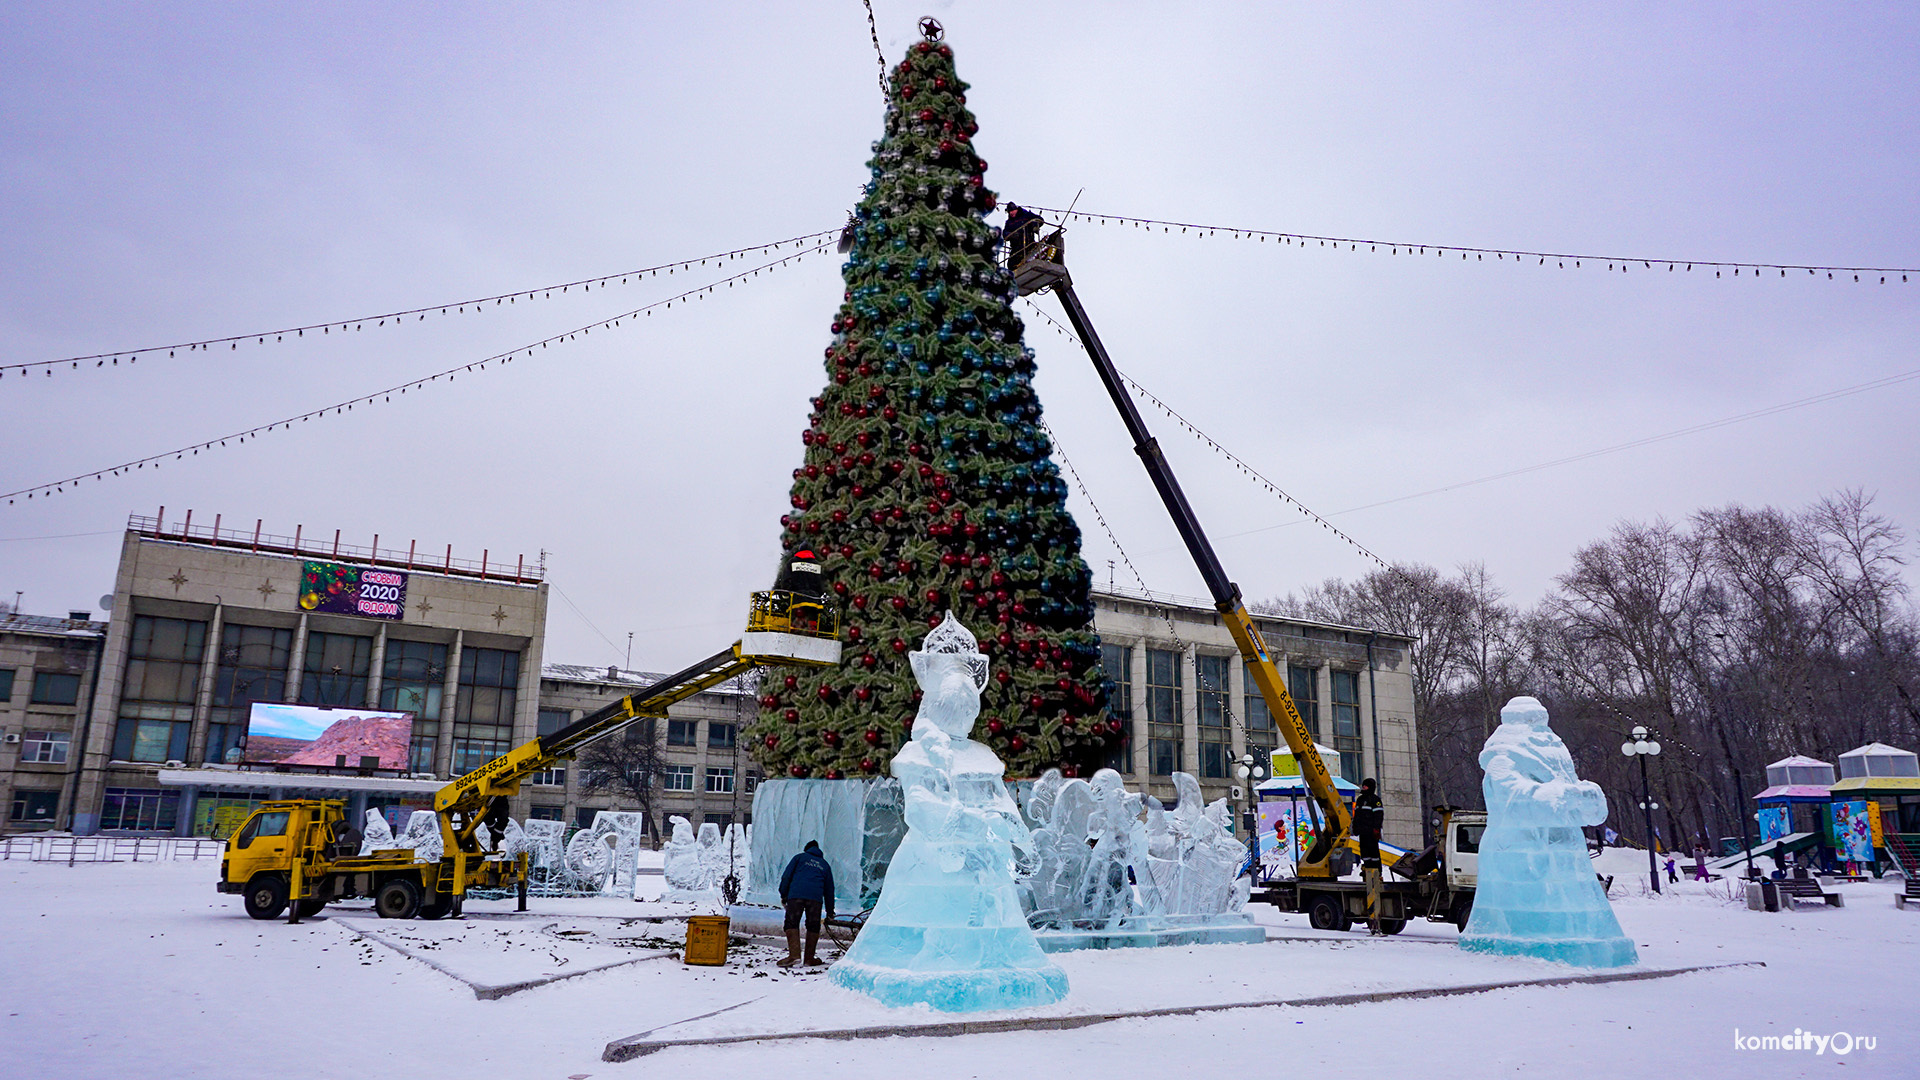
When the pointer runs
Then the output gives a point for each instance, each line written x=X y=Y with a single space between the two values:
x=626 y=765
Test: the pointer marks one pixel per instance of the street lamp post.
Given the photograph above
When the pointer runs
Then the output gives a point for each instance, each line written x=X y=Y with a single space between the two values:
x=1643 y=748
x=1250 y=770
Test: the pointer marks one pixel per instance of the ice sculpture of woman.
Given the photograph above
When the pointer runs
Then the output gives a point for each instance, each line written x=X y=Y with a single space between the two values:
x=948 y=930
x=1537 y=894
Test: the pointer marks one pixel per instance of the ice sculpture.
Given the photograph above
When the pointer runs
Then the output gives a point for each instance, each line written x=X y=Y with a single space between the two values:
x=948 y=931
x=1537 y=894
x=1056 y=890
x=883 y=824
x=681 y=864
x=590 y=859
x=1118 y=842
x=543 y=843
x=378 y=834
x=787 y=814
x=712 y=848
x=422 y=834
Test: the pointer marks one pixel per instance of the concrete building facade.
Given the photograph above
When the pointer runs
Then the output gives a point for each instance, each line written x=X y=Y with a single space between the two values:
x=133 y=725
x=206 y=621
x=1180 y=686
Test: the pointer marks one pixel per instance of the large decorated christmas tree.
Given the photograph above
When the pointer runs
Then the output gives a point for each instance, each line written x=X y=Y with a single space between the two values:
x=927 y=483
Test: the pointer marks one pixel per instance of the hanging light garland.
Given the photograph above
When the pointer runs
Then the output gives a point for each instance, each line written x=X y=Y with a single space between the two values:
x=383 y=396
x=395 y=318
x=1479 y=254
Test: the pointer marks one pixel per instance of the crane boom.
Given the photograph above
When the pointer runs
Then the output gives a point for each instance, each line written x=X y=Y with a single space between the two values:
x=1038 y=264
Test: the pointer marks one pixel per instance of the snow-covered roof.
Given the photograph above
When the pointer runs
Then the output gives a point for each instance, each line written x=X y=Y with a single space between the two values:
x=626 y=677
x=17 y=623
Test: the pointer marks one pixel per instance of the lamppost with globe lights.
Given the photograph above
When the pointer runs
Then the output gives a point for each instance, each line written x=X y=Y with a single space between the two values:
x=1643 y=748
x=1250 y=770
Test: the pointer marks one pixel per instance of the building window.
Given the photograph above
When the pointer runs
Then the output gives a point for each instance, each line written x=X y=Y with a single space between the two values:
x=6 y=685
x=250 y=666
x=1303 y=685
x=583 y=816
x=1164 y=727
x=719 y=781
x=1262 y=736
x=34 y=808
x=551 y=777
x=55 y=688
x=44 y=747
x=547 y=813
x=1346 y=724
x=413 y=675
x=218 y=813
x=420 y=752
x=725 y=821
x=720 y=736
x=337 y=670
x=552 y=720
x=1117 y=662
x=677 y=777
x=753 y=782
x=680 y=733
x=140 y=810
x=163 y=677
x=483 y=719
x=1215 y=735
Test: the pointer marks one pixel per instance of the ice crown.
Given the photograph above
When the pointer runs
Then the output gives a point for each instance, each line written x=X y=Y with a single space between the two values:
x=950 y=637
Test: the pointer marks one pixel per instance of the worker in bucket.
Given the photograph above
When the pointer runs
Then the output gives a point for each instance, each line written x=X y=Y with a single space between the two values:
x=805 y=889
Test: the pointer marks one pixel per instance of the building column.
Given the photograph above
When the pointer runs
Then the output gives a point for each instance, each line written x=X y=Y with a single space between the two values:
x=449 y=695
x=203 y=697
x=1137 y=690
x=297 y=660
x=1237 y=707
x=99 y=731
x=379 y=667
x=189 y=801
x=1189 y=713
x=1323 y=701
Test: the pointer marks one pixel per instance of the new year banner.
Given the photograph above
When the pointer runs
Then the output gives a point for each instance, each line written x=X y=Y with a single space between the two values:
x=351 y=590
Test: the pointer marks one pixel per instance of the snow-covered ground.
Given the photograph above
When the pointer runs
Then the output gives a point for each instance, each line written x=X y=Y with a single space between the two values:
x=142 y=970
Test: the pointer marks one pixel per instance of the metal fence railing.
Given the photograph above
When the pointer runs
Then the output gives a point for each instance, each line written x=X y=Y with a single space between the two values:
x=98 y=849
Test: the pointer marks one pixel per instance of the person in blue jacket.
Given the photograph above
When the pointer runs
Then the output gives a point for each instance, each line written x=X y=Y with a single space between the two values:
x=805 y=889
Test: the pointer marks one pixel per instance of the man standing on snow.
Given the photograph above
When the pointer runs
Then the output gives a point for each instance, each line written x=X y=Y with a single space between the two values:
x=805 y=888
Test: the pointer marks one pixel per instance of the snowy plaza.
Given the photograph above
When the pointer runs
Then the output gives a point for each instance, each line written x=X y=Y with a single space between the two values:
x=141 y=970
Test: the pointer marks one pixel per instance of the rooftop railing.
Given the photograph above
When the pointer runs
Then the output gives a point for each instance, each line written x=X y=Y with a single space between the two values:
x=413 y=559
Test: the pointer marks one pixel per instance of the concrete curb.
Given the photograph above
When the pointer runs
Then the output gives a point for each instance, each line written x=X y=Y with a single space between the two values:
x=495 y=991
x=640 y=1045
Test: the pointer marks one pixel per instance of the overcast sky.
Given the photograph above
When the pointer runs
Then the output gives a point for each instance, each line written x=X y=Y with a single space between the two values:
x=184 y=171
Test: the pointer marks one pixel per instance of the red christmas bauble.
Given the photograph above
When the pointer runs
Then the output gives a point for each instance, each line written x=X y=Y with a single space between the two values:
x=859 y=603
x=791 y=681
x=1016 y=744
x=770 y=741
x=834 y=774
x=995 y=727
x=826 y=693
x=831 y=738
x=899 y=645
x=1063 y=684
x=853 y=633
x=797 y=771
x=872 y=737
x=1003 y=676
x=899 y=603
x=933 y=596
x=867 y=764
x=860 y=693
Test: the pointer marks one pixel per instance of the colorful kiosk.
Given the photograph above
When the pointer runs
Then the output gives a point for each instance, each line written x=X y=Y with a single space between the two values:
x=1284 y=813
x=1876 y=802
x=1794 y=810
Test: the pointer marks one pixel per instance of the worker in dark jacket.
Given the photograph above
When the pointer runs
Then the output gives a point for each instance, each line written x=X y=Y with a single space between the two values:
x=805 y=888
x=1368 y=817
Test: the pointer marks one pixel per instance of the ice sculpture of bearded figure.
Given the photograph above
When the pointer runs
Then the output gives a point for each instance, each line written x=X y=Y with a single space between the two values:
x=948 y=930
x=1537 y=894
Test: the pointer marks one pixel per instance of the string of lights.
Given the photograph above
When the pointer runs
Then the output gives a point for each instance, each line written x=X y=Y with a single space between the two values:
x=383 y=396
x=873 y=31
x=1245 y=469
x=459 y=307
x=1619 y=263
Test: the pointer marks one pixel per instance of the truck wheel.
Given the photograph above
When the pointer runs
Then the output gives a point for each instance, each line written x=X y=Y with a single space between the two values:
x=266 y=896
x=437 y=906
x=1392 y=926
x=311 y=907
x=1462 y=909
x=397 y=899
x=1328 y=913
